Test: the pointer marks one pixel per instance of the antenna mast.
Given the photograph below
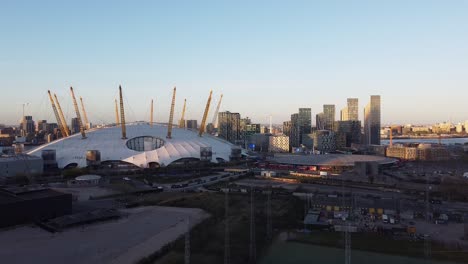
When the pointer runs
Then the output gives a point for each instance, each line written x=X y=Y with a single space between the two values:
x=171 y=115
x=205 y=115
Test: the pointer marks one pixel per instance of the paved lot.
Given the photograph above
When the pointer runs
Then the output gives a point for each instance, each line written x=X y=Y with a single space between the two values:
x=126 y=240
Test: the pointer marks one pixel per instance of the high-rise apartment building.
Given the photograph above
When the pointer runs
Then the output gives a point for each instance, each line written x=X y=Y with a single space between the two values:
x=229 y=126
x=27 y=126
x=287 y=128
x=372 y=121
x=304 y=120
x=351 y=111
x=42 y=125
x=294 y=140
x=320 y=121
x=191 y=124
x=351 y=130
x=329 y=116
x=75 y=125
x=278 y=144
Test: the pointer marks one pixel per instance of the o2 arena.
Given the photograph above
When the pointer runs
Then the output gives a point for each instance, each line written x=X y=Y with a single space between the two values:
x=145 y=147
x=143 y=144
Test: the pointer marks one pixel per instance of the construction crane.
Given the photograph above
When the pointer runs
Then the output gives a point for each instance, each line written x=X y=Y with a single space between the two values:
x=122 y=115
x=117 y=121
x=182 y=119
x=78 y=116
x=205 y=115
x=171 y=116
x=215 y=117
x=84 y=114
x=151 y=114
x=57 y=116
x=62 y=117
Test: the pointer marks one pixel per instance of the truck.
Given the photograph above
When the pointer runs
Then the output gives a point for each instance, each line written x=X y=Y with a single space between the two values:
x=385 y=218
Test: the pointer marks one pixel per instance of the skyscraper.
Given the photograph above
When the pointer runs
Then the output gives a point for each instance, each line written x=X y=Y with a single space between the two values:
x=27 y=126
x=294 y=133
x=329 y=116
x=351 y=111
x=351 y=129
x=191 y=124
x=372 y=120
x=304 y=122
x=319 y=121
x=42 y=125
x=229 y=126
x=75 y=125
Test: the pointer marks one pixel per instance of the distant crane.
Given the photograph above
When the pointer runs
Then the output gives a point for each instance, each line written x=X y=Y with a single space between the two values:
x=171 y=115
x=182 y=119
x=117 y=121
x=151 y=114
x=62 y=117
x=85 y=115
x=78 y=116
x=57 y=116
x=122 y=115
x=205 y=115
x=215 y=117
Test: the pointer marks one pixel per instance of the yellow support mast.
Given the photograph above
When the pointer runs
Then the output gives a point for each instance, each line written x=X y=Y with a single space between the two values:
x=171 y=115
x=117 y=118
x=151 y=114
x=85 y=115
x=62 y=117
x=57 y=116
x=182 y=119
x=215 y=117
x=122 y=115
x=78 y=116
x=205 y=115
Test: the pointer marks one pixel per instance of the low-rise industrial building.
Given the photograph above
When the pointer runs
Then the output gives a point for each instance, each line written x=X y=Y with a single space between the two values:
x=13 y=165
x=422 y=152
x=25 y=205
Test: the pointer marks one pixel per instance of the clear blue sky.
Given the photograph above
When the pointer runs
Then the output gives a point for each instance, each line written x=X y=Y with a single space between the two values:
x=267 y=57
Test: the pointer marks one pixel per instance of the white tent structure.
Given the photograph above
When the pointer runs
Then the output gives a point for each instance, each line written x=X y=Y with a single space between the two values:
x=144 y=145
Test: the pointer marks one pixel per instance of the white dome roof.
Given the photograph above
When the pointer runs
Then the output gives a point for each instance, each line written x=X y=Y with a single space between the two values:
x=183 y=144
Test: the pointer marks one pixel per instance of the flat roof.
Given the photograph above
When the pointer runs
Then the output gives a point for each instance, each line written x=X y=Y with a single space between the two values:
x=88 y=178
x=344 y=160
x=23 y=194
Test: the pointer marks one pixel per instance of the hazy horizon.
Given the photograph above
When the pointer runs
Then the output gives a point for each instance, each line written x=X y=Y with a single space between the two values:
x=267 y=58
